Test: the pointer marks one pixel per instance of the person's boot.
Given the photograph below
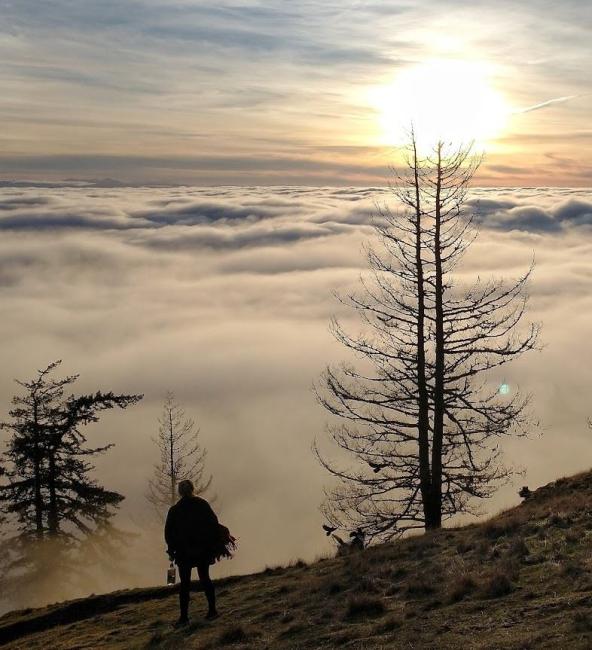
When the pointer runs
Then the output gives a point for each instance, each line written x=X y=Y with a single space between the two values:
x=211 y=598
x=182 y=622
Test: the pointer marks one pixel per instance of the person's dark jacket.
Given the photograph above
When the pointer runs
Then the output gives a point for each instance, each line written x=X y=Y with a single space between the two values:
x=191 y=531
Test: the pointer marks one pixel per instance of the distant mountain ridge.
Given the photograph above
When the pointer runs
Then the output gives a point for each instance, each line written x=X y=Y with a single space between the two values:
x=80 y=183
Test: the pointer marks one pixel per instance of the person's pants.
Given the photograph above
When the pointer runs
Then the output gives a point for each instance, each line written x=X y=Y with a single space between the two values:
x=203 y=573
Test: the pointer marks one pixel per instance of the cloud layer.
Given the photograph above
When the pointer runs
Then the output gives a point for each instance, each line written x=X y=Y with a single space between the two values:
x=224 y=296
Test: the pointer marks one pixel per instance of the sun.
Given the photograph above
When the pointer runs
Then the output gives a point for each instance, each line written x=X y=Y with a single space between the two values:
x=450 y=100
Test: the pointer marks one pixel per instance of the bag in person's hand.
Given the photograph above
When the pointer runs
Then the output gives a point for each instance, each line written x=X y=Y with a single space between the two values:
x=171 y=578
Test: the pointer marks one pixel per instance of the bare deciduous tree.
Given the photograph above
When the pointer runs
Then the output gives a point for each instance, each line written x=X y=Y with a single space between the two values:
x=181 y=457
x=422 y=413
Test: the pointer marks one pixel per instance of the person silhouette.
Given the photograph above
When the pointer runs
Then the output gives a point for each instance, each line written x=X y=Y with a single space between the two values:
x=191 y=533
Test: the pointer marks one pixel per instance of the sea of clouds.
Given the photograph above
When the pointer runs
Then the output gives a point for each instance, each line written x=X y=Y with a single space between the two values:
x=224 y=295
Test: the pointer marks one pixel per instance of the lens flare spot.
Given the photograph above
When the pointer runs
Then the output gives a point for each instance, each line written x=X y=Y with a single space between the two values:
x=504 y=389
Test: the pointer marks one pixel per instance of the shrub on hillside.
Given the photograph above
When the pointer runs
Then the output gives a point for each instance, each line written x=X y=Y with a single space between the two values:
x=582 y=621
x=572 y=537
x=559 y=520
x=496 y=584
x=231 y=635
x=334 y=588
x=420 y=586
x=517 y=549
x=463 y=547
x=390 y=624
x=502 y=527
x=460 y=587
x=364 y=607
x=368 y=585
x=572 y=568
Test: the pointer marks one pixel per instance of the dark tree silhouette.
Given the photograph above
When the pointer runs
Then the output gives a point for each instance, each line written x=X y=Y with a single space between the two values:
x=181 y=457
x=47 y=494
x=421 y=413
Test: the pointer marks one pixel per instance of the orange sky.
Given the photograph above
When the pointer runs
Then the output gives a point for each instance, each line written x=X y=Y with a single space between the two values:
x=244 y=92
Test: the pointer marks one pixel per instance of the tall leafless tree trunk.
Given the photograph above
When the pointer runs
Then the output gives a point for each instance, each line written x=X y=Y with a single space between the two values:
x=422 y=415
x=423 y=422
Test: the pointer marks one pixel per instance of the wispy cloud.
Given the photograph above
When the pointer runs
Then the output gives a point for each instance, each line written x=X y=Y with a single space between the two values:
x=252 y=80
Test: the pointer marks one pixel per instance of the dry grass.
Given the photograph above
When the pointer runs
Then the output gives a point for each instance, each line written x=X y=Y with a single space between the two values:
x=520 y=580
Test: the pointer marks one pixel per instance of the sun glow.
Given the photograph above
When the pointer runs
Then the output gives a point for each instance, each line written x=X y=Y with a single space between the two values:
x=446 y=100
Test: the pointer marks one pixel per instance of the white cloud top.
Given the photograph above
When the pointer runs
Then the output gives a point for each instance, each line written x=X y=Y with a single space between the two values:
x=224 y=296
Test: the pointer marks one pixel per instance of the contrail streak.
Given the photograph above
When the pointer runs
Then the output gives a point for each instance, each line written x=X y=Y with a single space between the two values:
x=549 y=102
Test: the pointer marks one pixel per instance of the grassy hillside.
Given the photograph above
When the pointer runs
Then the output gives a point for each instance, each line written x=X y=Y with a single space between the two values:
x=520 y=580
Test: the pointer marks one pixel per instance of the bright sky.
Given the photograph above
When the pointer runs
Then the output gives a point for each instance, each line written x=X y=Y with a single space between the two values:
x=276 y=92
